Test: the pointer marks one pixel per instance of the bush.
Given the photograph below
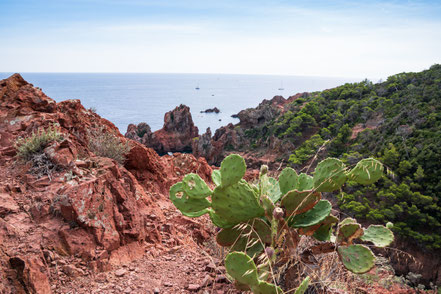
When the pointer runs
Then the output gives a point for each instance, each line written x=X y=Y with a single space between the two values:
x=28 y=147
x=107 y=144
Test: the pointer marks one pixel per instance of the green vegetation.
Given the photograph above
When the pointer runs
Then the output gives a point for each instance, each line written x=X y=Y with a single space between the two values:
x=107 y=144
x=400 y=124
x=263 y=223
x=34 y=144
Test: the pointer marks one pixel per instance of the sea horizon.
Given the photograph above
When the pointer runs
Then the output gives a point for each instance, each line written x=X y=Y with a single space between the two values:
x=125 y=98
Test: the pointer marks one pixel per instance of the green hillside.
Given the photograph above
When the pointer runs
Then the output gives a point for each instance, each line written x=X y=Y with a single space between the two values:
x=400 y=124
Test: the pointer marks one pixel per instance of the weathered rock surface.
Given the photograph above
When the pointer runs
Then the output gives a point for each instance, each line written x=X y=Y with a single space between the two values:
x=175 y=136
x=211 y=110
x=90 y=213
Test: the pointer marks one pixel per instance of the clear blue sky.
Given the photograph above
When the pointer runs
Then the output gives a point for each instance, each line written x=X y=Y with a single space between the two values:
x=321 y=38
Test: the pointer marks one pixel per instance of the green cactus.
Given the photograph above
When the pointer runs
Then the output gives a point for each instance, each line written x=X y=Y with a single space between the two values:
x=313 y=216
x=356 y=258
x=243 y=270
x=232 y=170
x=216 y=177
x=189 y=206
x=297 y=202
x=324 y=232
x=348 y=232
x=303 y=286
x=288 y=180
x=195 y=187
x=366 y=172
x=379 y=235
x=329 y=175
x=253 y=221
x=389 y=225
x=236 y=203
x=270 y=187
x=305 y=182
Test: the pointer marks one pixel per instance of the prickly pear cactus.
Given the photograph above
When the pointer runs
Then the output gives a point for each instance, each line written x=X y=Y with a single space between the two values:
x=232 y=170
x=329 y=175
x=288 y=180
x=379 y=235
x=263 y=222
x=356 y=258
x=366 y=172
x=313 y=216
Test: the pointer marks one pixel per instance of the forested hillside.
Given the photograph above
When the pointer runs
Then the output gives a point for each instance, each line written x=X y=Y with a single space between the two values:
x=397 y=121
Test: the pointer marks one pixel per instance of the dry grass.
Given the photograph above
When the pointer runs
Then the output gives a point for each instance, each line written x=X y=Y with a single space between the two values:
x=107 y=144
x=36 y=142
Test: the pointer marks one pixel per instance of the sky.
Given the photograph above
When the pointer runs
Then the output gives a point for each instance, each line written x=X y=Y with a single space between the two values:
x=340 y=38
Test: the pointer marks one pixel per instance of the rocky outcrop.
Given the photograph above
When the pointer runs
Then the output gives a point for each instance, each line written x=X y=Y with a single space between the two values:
x=266 y=111
x=175 y=136
x=211 y=110
x=89 y=210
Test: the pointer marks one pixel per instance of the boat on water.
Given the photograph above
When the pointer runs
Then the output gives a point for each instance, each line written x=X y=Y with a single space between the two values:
x=281 y=86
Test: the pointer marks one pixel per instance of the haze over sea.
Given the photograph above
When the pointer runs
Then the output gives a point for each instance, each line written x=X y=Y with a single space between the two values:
x=125 y=98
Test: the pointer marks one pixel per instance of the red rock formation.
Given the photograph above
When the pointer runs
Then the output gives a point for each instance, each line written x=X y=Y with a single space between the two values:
x=176 y=135
x=89 y=207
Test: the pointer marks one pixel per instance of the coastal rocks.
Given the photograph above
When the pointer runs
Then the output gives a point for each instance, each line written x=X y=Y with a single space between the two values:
x=91 y=212
x=175 y=136
x=211 y=110
x=266 y=111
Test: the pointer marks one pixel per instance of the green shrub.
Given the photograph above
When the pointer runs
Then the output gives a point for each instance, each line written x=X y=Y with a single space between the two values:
x=107 y=144
x=34 y=144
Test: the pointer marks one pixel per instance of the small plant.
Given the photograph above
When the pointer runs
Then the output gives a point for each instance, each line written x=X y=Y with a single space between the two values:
x=28 y=147
x=107 y=144
x=262 y=223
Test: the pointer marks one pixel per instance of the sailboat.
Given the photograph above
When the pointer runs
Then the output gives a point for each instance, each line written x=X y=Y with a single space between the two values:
x=281 y=86
x=197 y=87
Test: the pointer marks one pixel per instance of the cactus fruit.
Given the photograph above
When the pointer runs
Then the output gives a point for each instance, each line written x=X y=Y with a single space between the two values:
x=356 y=258
x=366 y=172
x=195 y=187
x=348 y=232
x=303 y=286
x=232 y=170
x=305 y=182
x=288 y=180
x=189 y=206
x=313 y=216
x=389 y=225
x=329 y=175
x=216 y=177
x=379 y=235
x=297 y=202
x=236 y=203
x=242 y=268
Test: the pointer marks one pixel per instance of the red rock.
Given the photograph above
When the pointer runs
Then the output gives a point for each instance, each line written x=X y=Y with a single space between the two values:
x=7 y=205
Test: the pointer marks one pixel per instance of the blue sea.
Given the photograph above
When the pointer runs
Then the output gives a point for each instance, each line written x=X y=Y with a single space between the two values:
x=125 y=98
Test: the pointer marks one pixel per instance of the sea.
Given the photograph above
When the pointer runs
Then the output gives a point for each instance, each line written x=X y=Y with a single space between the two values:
x=125 y=98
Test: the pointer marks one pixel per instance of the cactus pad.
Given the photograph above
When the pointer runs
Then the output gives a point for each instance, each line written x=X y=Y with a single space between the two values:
x=236 y=203
x=296 y=202
x=261 y=231
x=313 y=216
x=329 y=175
x=323 y=233
x=189 y=206
x=379 y=235
x=266 y=288
x=242 y=268
x=288 y=180
x=195 y=187
x=303 y=286
x=232 y=170
x=348 y=232
x=305 y=182
x=356 y=258
x=270 y=187
x=366 y=172
x=216 y=177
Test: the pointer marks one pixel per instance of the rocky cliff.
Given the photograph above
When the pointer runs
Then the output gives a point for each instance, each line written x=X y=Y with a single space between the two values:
x=86 y=213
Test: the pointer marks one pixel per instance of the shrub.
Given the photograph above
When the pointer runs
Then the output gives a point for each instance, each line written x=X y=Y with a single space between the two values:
x=107 y=144
x=264 y=224
x=28 y=147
